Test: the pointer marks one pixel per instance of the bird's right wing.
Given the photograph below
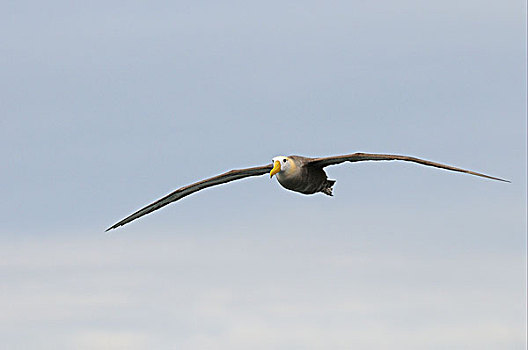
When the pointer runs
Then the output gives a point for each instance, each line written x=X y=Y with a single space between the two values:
x=197 y=186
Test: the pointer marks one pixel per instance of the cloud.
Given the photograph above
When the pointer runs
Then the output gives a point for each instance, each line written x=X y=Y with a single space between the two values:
x=230 y=291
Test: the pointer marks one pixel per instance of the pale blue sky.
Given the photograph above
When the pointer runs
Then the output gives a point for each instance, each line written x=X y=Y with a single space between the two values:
x=107 y=106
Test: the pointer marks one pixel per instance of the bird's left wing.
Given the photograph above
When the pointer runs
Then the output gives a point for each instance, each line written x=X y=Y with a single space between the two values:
x=360 y=157
x=197 y=186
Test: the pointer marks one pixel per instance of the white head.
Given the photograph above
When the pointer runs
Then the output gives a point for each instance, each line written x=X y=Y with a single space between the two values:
x=281 y=165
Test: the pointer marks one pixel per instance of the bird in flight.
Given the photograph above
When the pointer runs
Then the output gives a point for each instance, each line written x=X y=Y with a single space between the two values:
x=295 y=173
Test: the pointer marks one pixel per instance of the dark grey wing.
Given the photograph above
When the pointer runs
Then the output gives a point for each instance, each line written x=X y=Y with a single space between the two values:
x=197 y=186
x=360 y=157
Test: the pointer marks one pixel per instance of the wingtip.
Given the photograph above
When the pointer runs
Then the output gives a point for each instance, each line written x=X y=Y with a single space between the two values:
x=499 y=179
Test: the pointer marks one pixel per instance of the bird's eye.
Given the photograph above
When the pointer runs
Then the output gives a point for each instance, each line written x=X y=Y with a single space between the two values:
x=285 y=160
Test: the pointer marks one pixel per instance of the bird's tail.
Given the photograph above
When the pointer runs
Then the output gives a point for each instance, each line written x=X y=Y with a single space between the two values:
x=328 y=187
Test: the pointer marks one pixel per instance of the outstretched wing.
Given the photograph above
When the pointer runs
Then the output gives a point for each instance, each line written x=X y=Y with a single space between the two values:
x=360 y=157
x=197 y=186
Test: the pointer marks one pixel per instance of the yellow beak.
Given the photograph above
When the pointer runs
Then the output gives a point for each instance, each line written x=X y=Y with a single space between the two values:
x=276 y=168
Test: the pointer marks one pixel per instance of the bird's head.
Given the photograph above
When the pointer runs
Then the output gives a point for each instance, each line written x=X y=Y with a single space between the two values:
x=282 y=165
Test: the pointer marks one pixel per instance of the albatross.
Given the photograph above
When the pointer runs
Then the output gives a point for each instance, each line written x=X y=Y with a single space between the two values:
x=299 y=174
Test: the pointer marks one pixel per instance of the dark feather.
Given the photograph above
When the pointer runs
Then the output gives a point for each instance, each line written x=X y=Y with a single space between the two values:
x=361 y=157
x=197 y=186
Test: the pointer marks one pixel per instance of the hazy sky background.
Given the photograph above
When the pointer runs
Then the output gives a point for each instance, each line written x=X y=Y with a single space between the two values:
x=108 y=105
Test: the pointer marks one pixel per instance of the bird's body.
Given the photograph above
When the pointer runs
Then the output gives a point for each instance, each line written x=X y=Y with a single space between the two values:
x=295 y=173
x=303 y=177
